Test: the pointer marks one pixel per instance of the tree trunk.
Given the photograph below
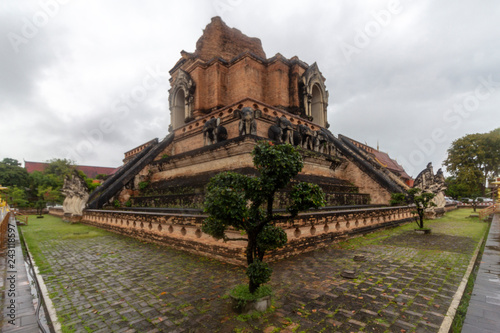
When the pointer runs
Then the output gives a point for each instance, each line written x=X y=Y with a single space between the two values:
x=270 y=201
x=252 y=287
x=251 y=245
x=420 y=218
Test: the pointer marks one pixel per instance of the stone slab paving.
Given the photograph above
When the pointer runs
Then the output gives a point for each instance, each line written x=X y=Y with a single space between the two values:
x=18 y=311
x=483 y=313
x=117 y=284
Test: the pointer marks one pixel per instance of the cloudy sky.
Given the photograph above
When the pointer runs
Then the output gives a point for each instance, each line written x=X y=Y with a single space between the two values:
x=88 y=80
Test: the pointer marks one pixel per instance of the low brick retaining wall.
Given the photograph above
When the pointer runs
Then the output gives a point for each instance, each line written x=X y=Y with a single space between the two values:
x=305 y=233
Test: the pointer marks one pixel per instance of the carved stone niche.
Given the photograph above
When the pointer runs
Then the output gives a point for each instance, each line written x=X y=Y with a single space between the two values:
x=314 y=95
x=181 y=99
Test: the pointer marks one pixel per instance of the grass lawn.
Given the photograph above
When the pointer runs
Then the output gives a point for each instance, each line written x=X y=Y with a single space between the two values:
x=49 y=228
x=454 y=223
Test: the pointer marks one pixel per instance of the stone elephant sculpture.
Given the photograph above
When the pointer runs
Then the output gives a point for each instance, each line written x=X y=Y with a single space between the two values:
x=297 y=138
x=248 y=125
x=307 y=137
x=287 y=129
x=275 y=133
x=213 y=132
x=282 y=131
x=321 y=142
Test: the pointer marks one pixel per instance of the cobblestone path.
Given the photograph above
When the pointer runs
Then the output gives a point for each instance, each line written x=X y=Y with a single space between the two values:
x=117 y=284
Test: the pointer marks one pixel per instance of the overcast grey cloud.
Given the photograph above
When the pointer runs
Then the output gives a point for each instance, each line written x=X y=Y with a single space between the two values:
x=88 y=80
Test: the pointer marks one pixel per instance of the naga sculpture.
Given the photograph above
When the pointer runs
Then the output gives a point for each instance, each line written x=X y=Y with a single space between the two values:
x=213 y=132
x=248 y=125
x=76 y=192
x=428 y=182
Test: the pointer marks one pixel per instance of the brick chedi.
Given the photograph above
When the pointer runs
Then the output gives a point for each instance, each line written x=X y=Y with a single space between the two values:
x=228 y=66
x=220 y=41
x=224 y=97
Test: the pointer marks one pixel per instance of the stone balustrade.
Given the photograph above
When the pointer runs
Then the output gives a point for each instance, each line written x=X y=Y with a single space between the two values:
x=305 y=233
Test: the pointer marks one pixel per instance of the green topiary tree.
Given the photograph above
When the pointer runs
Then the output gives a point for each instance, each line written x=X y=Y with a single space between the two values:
x=422 y=201
x=246 y=204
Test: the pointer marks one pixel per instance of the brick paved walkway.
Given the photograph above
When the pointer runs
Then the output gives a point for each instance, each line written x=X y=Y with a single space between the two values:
x=117 y=284
x=18 y=311
x=483 y=313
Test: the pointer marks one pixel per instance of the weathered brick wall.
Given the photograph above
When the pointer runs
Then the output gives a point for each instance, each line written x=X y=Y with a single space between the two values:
x=189 y=136
x=56 y=212
x=183 y=231
x=219 y=40
x=366 y=184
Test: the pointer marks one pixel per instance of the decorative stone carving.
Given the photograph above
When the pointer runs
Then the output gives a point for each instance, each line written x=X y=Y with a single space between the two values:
x=282 y=131
x=314 y=95
x=428 y=182
x=76 y=192
x=213 y=132
x=181 y=99
x=248 y=125
x=321 y=142
x=307 y=137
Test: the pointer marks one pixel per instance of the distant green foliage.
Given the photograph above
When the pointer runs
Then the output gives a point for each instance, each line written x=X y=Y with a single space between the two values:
x=305 y=196
x=16 y=197
x=246 y=204
x=398 y=199
x=12 y=174
x=472 y=159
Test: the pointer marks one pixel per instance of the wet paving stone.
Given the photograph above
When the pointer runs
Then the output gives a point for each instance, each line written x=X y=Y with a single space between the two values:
x=117 y=284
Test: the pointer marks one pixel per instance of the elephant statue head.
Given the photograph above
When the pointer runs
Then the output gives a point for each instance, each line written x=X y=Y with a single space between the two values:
x=213 y=132
x=248 y=125
x=308 y=137
x=321 y=142
x=287 y=129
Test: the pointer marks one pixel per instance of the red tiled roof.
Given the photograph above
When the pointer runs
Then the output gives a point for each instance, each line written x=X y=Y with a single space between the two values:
x=90 y=171
x=389 y=163
x=383 y=159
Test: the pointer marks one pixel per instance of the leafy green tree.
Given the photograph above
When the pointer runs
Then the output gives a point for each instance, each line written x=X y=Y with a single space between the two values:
x=59 y=167
x=398 y=199
x=456 y=190
x=89 y=181
x=48 y=194
x=422 y=201
x=12 y=174
x=473 y=159
x=473 y=201
x=40 y=206
x=16 y=197
x=246 y=204
x=47 y=185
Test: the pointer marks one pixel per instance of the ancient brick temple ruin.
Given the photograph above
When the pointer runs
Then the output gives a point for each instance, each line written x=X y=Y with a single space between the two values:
x=224 y=97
